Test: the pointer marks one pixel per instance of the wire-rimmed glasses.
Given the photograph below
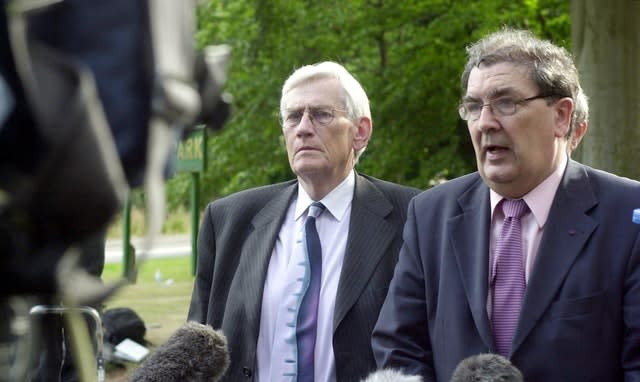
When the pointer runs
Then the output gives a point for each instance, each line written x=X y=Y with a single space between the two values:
x=319 y=116
x=503 y=106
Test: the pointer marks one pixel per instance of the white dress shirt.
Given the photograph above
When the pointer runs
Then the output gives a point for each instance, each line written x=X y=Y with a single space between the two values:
x=333 y=229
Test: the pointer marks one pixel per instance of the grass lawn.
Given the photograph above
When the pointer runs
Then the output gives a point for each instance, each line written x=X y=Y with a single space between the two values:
x=162 y=305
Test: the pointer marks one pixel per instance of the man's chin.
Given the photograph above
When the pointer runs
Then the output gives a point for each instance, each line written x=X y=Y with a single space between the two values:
x=497 y=178
x=308 y=169
x=498 y=173
x=309 y=165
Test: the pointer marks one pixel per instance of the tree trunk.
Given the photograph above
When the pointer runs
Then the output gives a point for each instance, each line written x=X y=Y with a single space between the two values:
x=605 y=38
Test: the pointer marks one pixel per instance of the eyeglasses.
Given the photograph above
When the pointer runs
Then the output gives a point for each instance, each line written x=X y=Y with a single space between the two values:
x=319 y=116
x=504 y=106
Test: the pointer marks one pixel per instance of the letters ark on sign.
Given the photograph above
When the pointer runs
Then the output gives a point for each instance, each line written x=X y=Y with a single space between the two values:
x=192 y=152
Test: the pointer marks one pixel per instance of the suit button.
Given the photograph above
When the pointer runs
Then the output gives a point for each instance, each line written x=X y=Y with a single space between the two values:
x=247 y=372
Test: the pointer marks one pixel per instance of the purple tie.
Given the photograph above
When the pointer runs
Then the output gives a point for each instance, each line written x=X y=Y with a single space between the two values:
x=307 y=318
x=507 y=276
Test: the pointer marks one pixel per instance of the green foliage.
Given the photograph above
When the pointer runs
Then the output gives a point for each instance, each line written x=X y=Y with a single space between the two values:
x=407 y=54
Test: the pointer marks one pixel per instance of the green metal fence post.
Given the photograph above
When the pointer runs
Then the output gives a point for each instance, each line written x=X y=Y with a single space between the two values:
x=192 y=158
x=128 y=252
x=195 y=219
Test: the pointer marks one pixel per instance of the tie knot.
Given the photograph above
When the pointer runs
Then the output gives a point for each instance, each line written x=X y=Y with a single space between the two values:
x=315 y=209
x=514 y=208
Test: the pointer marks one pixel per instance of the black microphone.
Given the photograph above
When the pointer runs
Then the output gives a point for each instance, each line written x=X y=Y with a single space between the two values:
x=391 y=375
x=194 y=353
x=486 y=368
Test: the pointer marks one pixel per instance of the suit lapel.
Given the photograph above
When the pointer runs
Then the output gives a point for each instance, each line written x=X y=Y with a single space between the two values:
x=567 y=229
x=369 y=238
x=469 y=236
x=256 y=254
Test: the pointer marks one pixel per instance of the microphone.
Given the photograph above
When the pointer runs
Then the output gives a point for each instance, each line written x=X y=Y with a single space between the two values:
x=194 y=353
x=391 y=375
x=486 y=367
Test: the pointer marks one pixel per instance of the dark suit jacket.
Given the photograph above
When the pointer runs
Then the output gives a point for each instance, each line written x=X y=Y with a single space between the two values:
x=580 y=319
x=236 y=239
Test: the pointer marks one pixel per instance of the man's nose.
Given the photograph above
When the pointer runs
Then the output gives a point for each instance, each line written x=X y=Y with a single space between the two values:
x=487 y=119
x=306 y=123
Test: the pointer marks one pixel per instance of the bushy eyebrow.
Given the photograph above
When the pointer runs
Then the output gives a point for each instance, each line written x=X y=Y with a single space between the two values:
x=289 y=110
x=493 y=94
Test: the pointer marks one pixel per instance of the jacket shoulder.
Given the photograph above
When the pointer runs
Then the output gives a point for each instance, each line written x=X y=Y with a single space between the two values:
x=251 y=198
x=605 y=179
x=451 y=190
x=391 y=188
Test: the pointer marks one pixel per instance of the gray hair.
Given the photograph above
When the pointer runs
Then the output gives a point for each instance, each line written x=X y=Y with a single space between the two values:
x=580 y=116
x=580 y=109
x=355 y=100
x=551 y=67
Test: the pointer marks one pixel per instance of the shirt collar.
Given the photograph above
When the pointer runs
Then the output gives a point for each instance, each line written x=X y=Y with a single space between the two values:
x=540 y=198
x=336 y=202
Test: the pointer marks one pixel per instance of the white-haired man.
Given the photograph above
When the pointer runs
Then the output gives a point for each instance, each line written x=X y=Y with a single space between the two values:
x=252 y=279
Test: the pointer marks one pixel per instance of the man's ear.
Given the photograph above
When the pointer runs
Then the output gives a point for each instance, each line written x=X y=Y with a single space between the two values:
x=576 y=135
x=362 y=133
x=563 y=112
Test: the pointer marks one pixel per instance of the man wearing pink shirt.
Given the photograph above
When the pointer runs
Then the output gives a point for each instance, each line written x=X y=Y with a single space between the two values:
x=578 y=315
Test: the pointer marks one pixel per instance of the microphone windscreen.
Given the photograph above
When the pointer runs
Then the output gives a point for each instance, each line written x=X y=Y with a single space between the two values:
x=391 y=375
x=194 y=353
x=486 y=368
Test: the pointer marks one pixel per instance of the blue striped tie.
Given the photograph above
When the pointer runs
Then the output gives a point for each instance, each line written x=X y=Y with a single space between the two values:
x=307 y=318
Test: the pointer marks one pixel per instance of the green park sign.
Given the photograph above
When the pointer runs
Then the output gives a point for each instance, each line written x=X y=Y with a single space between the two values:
x=192 y=152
